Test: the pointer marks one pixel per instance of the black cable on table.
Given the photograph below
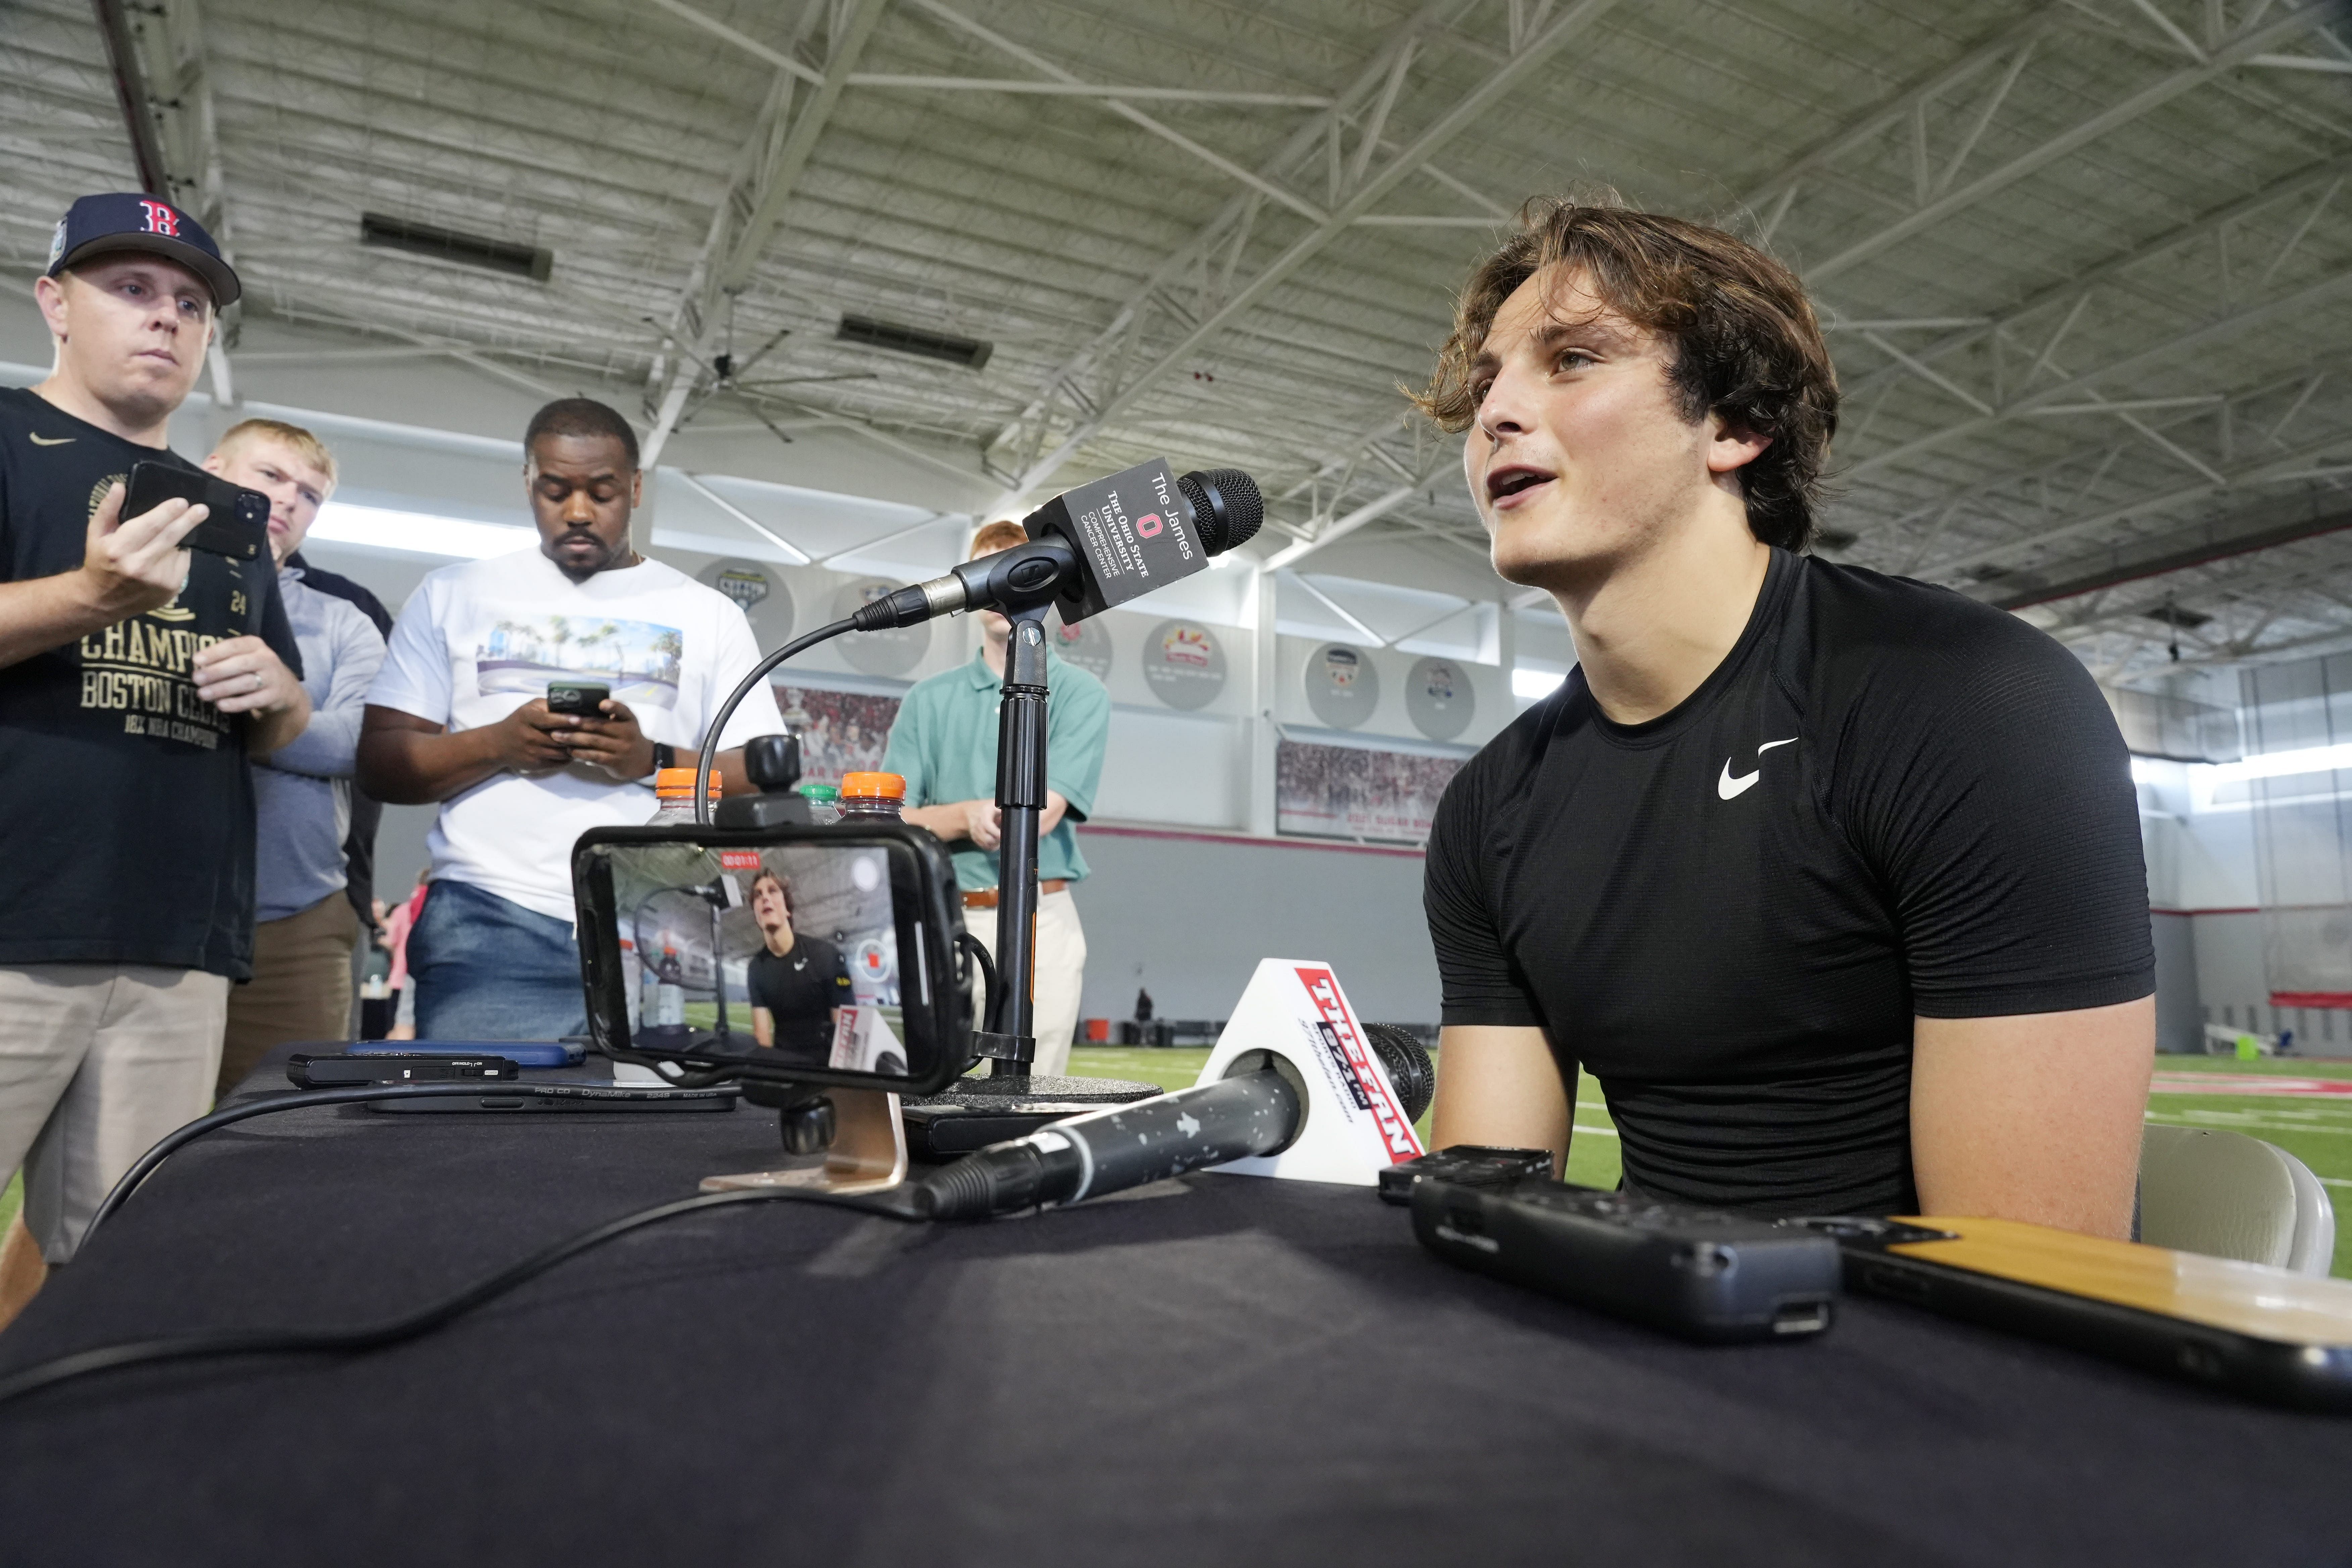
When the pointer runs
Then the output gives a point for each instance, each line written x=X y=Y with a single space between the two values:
x=896 y=1204
x=295 y=1100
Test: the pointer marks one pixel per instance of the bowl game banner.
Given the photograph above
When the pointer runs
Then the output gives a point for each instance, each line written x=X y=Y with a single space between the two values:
x=1352 y=792
x=841 y=732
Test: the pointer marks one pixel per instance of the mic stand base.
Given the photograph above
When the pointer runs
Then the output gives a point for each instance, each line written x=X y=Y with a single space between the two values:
x=976 y=1112
x=868 y=1152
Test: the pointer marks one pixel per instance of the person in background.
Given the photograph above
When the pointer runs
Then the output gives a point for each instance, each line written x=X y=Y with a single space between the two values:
x=943 y=743
x=305 y=932
x=459 y=717
x=396 y=927
x=798 y=983
x=138 y=678
x=367 y=812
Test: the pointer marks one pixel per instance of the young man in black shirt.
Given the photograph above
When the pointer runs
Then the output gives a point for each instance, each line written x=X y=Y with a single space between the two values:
x=136 y=678
x=798 y=983
x=1831 y=879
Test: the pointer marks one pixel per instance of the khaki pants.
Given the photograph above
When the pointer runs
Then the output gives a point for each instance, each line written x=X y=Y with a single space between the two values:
x=98 y=1062
x=300 y=989
x=1061 y=976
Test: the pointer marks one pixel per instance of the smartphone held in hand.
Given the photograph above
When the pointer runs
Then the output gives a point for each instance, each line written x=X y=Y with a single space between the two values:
x=236 y=521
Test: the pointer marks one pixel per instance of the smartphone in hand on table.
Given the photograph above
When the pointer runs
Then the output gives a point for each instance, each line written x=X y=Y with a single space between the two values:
x=236 y=519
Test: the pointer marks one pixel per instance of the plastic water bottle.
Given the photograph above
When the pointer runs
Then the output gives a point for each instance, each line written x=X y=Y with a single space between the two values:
x=823 y=802
x=662 y=999
x=674 y=789
x=669 y=990
x=872 y=797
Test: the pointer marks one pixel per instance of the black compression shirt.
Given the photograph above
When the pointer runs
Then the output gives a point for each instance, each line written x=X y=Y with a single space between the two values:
x=1887 y=801
x=800 y=989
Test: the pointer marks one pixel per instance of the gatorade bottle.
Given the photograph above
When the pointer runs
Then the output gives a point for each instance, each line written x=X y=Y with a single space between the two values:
x=823 y=802
x=871 y=797
x=674 y=787
x=669 y=992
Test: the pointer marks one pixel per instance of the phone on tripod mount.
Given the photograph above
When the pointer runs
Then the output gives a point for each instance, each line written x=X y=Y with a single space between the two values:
x=792 y=953
x=817 y=964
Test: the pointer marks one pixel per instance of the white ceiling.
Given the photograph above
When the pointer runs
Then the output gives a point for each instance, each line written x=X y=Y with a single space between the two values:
x=2088 y=263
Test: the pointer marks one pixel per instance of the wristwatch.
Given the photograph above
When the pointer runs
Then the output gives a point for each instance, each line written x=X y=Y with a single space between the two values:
x=665 y=756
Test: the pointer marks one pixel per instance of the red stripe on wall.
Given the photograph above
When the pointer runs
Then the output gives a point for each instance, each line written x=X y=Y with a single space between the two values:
x=1248 y=840
x=2311 y=998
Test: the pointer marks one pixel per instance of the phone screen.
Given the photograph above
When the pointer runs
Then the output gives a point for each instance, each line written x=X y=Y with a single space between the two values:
x=816 y=956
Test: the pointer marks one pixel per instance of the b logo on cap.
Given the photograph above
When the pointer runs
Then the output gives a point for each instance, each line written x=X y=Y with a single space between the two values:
x=162 y=219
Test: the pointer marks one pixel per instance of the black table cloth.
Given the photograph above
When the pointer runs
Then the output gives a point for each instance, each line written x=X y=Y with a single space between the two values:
x=1238 y=1372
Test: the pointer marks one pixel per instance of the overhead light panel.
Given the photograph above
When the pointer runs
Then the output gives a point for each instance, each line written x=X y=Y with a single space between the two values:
x=970 y=352
x=534 y=262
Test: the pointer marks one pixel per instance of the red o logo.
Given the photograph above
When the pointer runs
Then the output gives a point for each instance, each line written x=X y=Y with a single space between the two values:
x=162 y=219
x=1148 y=525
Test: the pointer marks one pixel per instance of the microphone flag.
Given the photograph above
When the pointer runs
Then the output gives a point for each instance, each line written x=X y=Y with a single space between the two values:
x=1134 y=531
x=1356 y=1125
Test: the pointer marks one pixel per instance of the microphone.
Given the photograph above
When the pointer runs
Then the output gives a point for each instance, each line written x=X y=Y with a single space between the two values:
x=1251 y=1113
x=1092 y=547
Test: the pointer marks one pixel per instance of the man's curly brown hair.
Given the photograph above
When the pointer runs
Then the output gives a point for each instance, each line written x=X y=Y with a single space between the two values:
x=1745 y=341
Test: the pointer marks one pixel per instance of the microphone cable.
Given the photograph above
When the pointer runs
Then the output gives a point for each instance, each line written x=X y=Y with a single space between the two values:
x=710 y=757
x=293 y=1100
x=216 y=1342
x=1257 y=1112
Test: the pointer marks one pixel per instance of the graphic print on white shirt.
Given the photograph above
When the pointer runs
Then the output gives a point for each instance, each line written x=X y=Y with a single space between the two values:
x=638 y=659
x=479 y=640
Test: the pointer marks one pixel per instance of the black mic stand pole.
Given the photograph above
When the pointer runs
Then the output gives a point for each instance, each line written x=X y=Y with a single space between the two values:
x=1011 y=1042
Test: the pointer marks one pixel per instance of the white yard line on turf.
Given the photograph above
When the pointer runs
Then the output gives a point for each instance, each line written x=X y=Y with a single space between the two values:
x=2211 y=1120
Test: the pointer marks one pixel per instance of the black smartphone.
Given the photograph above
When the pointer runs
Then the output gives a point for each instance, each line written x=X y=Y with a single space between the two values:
x=236 y=519
x=350 y=1072
x=584 y=697
x=2247 y=1328
x=793 y=953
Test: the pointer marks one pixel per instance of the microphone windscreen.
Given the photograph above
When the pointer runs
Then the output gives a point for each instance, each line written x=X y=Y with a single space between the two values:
x=1225 y=505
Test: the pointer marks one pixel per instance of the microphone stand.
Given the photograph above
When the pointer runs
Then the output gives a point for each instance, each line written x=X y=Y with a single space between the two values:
x=1011 y=1042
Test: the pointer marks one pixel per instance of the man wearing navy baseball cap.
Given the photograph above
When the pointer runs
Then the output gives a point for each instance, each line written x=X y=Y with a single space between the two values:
x=137 y=677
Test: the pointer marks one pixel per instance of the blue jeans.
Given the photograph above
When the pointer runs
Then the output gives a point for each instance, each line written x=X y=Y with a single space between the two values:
x=486 y=968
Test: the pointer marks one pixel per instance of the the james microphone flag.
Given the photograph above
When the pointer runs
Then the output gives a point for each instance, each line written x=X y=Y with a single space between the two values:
x=1133 y=530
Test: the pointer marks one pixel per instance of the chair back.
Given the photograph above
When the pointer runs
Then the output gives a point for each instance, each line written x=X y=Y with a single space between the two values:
x=2229 y=1195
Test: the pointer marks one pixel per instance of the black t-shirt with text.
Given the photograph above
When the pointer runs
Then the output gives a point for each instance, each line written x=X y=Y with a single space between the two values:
x=126 y=803
x=1889 y=800
x=800 y=989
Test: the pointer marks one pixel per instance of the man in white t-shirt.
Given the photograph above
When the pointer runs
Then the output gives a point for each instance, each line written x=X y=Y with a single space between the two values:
x=459 y=716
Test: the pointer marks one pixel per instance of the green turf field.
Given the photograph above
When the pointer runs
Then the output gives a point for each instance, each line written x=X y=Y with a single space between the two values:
x=2316 y=1132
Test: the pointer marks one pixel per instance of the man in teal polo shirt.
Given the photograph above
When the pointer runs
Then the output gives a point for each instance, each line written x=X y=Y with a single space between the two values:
x=944 y=744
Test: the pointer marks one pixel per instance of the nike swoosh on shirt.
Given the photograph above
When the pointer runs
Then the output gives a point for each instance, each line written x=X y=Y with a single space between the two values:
x=51 y=440
x=1728 y=787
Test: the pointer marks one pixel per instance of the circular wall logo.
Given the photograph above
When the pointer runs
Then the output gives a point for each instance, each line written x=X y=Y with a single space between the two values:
x=759 y=589
x=1439 y=698
x=1343 y=685
x=1183 y=665
x=1086 y=645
